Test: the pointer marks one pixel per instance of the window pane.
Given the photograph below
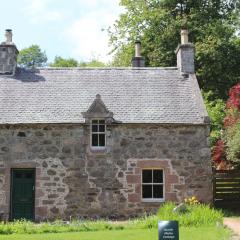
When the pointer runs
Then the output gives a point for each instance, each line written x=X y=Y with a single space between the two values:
x=147 y=176
x=157 y=176
x=101 y=121
x=94 y=121
x=157 y=191
x=94 y=140
x=147 y=191
x=101 y=128
x=101 y=140
x=94 y=128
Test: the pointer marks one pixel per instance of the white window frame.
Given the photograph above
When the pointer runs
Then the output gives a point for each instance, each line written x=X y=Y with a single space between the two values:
x=162 y=184
x=91 y=133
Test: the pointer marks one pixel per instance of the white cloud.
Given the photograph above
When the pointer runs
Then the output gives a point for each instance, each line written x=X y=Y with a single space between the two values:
x=85 y=34
x=39 y=11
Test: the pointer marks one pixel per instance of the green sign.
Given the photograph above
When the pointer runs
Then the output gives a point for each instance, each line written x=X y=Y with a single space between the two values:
x=168 y=230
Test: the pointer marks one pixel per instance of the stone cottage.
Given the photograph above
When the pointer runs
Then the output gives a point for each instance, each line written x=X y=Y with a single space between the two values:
x=100 y=142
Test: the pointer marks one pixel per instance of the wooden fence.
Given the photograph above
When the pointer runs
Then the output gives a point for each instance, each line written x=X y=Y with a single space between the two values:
x=226 y=189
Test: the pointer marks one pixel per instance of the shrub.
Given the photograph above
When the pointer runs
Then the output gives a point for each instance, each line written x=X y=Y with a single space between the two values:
x=196 y=215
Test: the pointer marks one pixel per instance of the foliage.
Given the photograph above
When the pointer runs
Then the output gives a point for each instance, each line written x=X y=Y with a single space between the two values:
x=197 y=215
x=93 y=63
x=70 y=62
x=217 y=113
x=232 y=141
x=32 y=57
x=228 y=147
x=212 y=23
x=62 y=62
x=191 y=200
x=218 y=153
x=232 y=126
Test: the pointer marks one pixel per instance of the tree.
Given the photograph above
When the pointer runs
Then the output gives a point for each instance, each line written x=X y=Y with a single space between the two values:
x=70 y=62
x=212 y=24
x=228 y=147
x=32 y=57
x=63 y=62
x=93 y=63
x=232 y=126
x=217 y=112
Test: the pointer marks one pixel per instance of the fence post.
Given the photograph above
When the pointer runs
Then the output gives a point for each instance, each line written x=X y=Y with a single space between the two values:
x=214 y=185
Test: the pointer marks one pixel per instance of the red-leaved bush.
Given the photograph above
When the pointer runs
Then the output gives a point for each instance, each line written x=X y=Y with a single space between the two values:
x=218 y=153
x=232 y=118
x=233 y=107
x=234 y=98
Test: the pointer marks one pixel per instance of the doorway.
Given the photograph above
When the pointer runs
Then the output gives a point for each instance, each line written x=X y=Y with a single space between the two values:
x=22 y=194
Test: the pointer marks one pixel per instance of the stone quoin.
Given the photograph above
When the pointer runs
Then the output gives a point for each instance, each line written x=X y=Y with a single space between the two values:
x=101 y=142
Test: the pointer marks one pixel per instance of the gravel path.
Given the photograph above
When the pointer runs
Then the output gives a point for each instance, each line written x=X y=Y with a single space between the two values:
x=234 y=225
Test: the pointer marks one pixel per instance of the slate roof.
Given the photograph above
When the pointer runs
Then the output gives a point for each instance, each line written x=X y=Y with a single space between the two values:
x=134 y=95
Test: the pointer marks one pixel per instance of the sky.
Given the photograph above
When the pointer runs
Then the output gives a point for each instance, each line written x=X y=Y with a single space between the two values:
x=66 y=28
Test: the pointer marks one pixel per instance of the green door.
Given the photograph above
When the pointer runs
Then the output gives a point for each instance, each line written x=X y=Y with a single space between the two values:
x=22 y=193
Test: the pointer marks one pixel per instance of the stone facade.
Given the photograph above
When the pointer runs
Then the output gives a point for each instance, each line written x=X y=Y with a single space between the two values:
x=73 y=180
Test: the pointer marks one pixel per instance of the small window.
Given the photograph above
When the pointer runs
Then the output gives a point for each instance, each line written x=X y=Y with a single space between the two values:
x=98 y=133
x=152 y=185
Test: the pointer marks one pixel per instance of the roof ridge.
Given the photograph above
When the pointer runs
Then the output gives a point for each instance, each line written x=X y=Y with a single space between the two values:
x=99 y=68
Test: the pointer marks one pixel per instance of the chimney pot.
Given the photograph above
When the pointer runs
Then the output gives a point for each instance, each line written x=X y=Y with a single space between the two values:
x=138 y=60
x=8 y=35
x=137 y=48
x=184 y=36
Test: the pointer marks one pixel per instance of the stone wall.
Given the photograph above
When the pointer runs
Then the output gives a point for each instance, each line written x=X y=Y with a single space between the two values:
x=73 y=180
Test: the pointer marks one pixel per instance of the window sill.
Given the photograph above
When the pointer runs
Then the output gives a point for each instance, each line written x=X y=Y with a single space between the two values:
x=98 y=150
x=156 y=200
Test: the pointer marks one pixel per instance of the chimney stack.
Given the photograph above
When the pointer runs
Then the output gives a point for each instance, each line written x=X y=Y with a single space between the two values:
x=138 y=60
x=185 y=54
x=8 y=55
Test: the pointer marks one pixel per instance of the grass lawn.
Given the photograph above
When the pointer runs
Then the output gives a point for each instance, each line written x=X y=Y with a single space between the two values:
x=201 y=233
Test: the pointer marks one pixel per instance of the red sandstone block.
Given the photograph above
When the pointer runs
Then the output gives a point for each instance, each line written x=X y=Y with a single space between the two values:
x=172 y=179
x=41 y=211
x=133 y=179
x=44 y=178
x=133 y=197
x=167 y=187
x=39 y=193
x=171 y=197
x=167 y=171
x=138 y=188
x=137 y=170
x=23 y=165
x=152 y=164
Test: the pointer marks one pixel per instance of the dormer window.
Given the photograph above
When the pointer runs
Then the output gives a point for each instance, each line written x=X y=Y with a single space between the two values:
x=98 y=134
x=97 y=117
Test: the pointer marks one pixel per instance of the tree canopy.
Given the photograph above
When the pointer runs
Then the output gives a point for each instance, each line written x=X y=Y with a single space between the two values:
x=32 y=57
x=71 y=62
x=217 y=112
x=212 y=24
x=63 y=62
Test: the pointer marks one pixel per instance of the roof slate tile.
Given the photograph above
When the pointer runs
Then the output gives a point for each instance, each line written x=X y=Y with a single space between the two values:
x=146 y=95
